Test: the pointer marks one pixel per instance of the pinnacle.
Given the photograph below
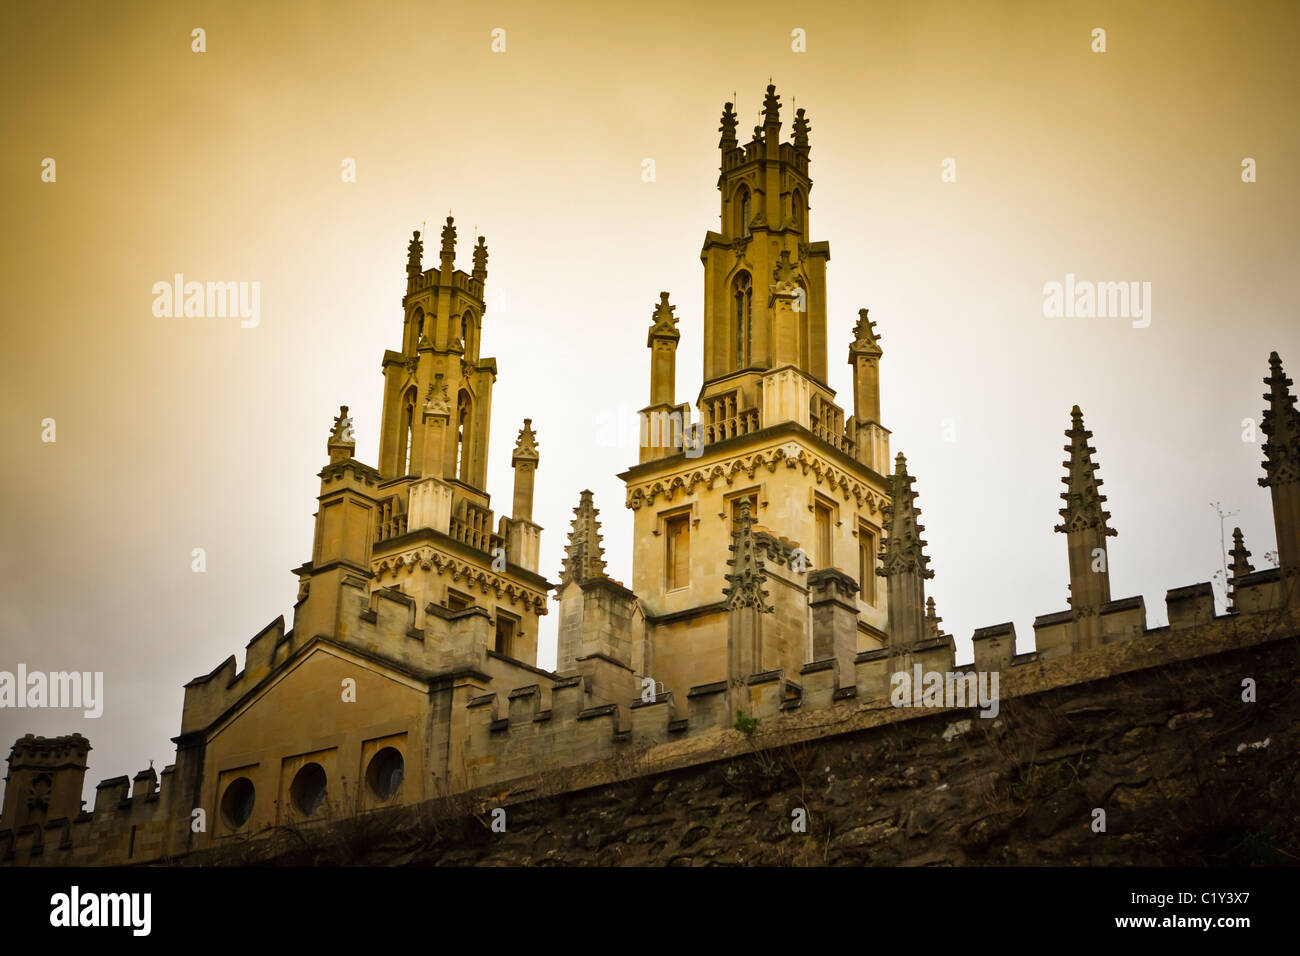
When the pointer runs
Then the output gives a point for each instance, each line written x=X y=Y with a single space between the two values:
x=584 y=556
x=1281 y=426
x=903 y=548
x=1083 y=500
x=865 y=336
x=771 y=106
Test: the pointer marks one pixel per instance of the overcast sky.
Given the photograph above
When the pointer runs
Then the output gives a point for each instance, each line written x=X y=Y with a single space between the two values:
x=175 y=434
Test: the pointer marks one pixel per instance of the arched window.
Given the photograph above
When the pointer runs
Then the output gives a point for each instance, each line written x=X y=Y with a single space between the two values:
x=797 y=210
x=408 y=431
x=416 y=327
x=743 y=297
x=801 y=326
x=469 y=334
x=744 y=213
x=462 y=435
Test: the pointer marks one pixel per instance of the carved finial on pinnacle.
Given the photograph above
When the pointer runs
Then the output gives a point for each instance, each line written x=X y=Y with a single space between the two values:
x=771 y=106
x=1281 y=425
x=449 y=241
x=747 y=576
x=903 y=548
x=785 y=273
x=1239 y=567
x=480 y=259
x=663 y=323
x=932 y=620
x=437 y=403
x=1083 y=501
x=865 y=337
x=728 y=127
x=801 y=129
x=526 y=443
x=414 y=255
x=584 y=556
x=342 y=444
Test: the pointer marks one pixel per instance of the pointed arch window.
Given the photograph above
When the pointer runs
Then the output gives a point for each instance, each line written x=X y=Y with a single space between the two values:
x=744 y=212
x=408 y=431
x=462 y=436
x=797 y=210
x=415 y=329
x=742 y=291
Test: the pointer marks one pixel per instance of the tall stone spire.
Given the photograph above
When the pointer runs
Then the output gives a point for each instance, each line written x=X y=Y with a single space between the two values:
x=1239 y=567
x=584 y=557
x=1086 y=530
x=1281 y=426
x=903 y=562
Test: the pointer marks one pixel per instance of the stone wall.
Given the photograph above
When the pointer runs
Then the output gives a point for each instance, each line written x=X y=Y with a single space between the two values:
x=1186 y=771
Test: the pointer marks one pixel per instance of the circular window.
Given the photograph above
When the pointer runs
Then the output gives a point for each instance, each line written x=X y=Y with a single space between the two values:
x=308 y=789
x=237 y=804
x=384 y=775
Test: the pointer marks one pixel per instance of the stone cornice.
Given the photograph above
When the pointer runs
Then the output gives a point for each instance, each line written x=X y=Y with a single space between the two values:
x=789 y=454
x=427 y=557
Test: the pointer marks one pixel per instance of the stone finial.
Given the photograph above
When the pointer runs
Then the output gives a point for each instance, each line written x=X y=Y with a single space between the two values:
x=343 y=443
x=584 y=557
x=437 y=403
x=728 y=127
x=1083 y=500
x=785 y=273
x=525 y=444
x=1240 y=565
x=771 y=106
x=747 y=576
x=932 y=620
x=449 y=241
x=866 y=339
x=414 y=255
x=663 y=323
x=903 y=549
x=1281 y=426
x=758 y=134
x=801 y=129
x=480 y=259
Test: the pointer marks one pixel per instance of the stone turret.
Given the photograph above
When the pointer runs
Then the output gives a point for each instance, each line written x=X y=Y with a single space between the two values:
x=44 y=780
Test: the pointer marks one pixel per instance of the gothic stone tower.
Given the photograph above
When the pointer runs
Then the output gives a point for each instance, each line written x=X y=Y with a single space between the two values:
x=768 y=433
x=422 y=521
